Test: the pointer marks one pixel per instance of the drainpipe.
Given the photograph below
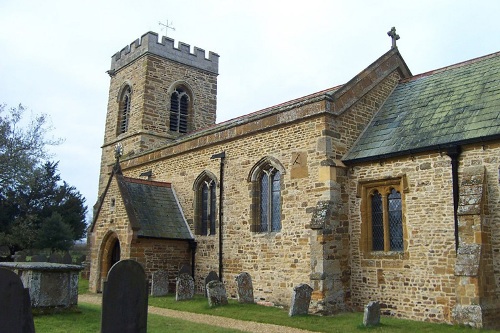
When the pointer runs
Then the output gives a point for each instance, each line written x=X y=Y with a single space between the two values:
x=192 y=246
x=222 y=157
x=454 y=153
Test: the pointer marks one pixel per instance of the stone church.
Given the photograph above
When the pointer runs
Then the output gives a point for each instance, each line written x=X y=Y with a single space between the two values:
x=383 y=188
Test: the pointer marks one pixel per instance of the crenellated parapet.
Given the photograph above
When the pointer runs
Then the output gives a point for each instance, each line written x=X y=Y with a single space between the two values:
x=148 y=43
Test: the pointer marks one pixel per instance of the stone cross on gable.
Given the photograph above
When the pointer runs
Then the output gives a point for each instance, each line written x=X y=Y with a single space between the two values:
x=394 y=36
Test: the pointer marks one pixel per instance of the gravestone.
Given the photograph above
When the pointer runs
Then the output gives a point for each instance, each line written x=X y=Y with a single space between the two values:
x=39 y=258
x=244 y=288
x=55 y=258
x=301 y=297
x=371 y=316
x=212 y=276
x=15 y=304
x=159 y=283
x=216 y=292
x=125 y=299
x=184 y=287
x=67 y=259
x=80 y=260
x=20 y=257
x=4 y=253
x=185 y=269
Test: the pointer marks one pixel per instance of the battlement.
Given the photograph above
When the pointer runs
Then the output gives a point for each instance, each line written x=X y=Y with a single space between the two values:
x=148 y=43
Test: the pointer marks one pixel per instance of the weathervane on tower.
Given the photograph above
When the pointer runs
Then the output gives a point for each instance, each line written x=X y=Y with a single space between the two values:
x=392 y=33
x=166 y=27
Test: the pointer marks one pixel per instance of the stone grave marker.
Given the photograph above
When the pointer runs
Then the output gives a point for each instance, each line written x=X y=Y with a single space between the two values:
x=125 y=299
x=55 y=258
x=301 y=297
x=20 y=257
x=4 y=252
x=244 y=288
x=67 y=259
x=216 y=292
x=371 y=316
x=38 y=258
x=159 y=283
x=185 y=269
x=184 y=287
x=15 y=304
x=212 y=276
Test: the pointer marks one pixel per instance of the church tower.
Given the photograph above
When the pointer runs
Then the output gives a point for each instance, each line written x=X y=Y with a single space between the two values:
x=157 y=94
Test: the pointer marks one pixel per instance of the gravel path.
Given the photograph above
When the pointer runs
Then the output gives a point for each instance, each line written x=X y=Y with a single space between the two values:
x=245 y=326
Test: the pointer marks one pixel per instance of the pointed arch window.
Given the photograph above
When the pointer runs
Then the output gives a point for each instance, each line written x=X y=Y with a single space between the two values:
x=206 y=205
x=266 y=177
x=124 y=110
x=179 y=110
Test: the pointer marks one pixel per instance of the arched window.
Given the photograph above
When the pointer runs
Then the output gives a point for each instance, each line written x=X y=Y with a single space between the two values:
x=124 y=110
x=206 y=204
x=179 y=111
x=266 y=177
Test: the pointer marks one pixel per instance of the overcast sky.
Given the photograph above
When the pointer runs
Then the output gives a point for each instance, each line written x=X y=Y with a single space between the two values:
x=54 y=54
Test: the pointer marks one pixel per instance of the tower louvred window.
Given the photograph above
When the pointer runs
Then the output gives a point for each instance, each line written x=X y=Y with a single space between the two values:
x=124 y=111
x=179 y=111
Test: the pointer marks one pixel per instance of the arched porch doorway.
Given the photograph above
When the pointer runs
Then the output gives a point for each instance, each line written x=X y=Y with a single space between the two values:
x=110 y=255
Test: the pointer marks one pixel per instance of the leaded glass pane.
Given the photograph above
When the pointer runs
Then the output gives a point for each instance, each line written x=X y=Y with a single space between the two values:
x=264 y=201
x=377 y=222
x=395 y=220
x=276 y=207
x=212 y=208
x=204 y=210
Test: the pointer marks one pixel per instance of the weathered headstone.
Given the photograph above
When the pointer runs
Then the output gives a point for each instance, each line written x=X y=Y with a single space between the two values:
x=80 y=260
x=38 y=258
x=15 y=305
x=55 y=258
x=216 y=292
x=212 y=276
x=184 y=287
x=301 y=297
x=371 y=316
x=67 y=258
x=159 y=283
x=20 y=257
x=4 y=251
x=125 y=299
x=185 y=269
x=244 y=288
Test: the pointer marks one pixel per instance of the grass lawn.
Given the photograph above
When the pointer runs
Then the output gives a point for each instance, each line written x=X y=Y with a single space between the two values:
x=89 y=319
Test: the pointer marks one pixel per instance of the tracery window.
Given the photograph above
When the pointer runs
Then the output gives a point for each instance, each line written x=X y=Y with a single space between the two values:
x=179 y=110
x=266 y=177
x=206 y=201
x=124 y=110
x=384 y=218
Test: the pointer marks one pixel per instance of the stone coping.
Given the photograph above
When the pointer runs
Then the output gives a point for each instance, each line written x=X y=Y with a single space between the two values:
x=41 y=266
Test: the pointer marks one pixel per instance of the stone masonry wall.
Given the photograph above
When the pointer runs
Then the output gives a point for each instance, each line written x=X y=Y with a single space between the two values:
x=153 y=254
x=276 y=261
x=420 y=283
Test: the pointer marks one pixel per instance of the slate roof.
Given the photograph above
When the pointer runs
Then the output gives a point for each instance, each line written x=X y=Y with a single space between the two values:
x=451 y=106
x=153 y=209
